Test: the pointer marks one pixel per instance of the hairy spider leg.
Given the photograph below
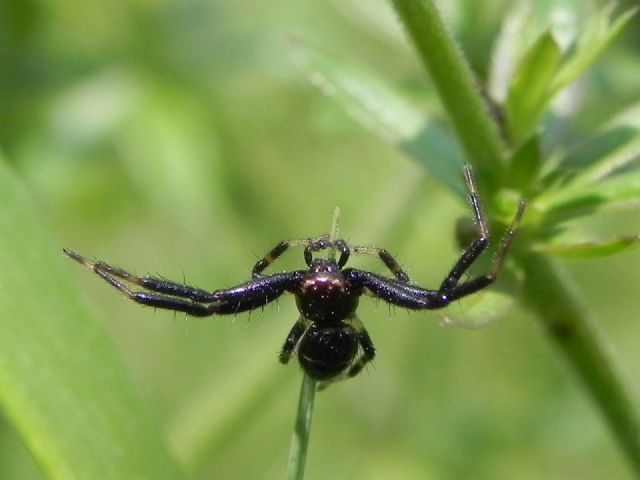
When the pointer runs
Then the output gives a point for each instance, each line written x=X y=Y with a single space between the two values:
x=480 y=244
x=322 y=243
x=310 y=245
x=294 y=336
x=368 y=350
x=270 y=257
x=414 y=297
x=457 y=291
x=181 y=298
x=386 y=258
x=450 y=283
x=149 y=283
x=193 y=301
x=278 y=250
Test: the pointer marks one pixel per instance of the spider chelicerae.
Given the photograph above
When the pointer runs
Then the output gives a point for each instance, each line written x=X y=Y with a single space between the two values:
x=330 y=341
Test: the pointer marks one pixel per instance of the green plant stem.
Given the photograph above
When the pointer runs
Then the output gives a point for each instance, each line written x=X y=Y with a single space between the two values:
x=456 y=86
x=552 y=295
x=548 y=290
x=302 y=428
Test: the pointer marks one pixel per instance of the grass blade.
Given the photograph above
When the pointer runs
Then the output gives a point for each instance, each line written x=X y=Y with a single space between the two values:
x=62 y=384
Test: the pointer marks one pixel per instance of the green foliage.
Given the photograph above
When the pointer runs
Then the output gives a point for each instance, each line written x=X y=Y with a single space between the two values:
x=529 y=93
x=545 y=71
x=179 y=138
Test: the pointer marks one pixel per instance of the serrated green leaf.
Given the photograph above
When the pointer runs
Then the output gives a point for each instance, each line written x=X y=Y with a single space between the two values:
x=596 y=37
x=388 y=115
x=586 y=250
x=62 y=384
x=529 y=93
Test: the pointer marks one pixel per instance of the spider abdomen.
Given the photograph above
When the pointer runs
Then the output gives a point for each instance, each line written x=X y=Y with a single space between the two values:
x=325 y=352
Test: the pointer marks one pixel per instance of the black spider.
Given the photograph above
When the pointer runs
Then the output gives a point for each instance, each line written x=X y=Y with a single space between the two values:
x=328 y=335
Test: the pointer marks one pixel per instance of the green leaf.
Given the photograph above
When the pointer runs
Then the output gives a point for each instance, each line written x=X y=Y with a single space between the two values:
x=615 y=147
x=476 y=312
x=525 y=166
x=388 y=115
x=596 y=37
x=62 y=384
x=600 y=174
x=506 y=48
x=529 y=94
x=586 y=250
x=619 y=191
x=544 y=71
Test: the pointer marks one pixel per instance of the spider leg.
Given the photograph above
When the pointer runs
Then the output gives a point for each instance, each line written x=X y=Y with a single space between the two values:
x=159 y=285
x=322 y=243
x=450 y=285
x=282 y=247
x=270 y=257
x=368 y=350
x=399 y=293
x=392 y=290
x=294 y=336
x=255 y=293
x=480 y=244
x=310 y=245
x=386 y=258
x=192 y=301
x=112 y=275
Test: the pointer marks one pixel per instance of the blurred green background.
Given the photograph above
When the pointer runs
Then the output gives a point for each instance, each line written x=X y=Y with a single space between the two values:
x=180 y=138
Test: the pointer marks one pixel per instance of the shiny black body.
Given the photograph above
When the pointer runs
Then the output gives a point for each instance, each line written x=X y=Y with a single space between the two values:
x=329 y=338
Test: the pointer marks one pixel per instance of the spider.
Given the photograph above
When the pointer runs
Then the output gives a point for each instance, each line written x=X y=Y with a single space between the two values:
x=329 y=339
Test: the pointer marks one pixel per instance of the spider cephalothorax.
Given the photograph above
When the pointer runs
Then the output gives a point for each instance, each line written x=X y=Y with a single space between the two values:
x=329 y=339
